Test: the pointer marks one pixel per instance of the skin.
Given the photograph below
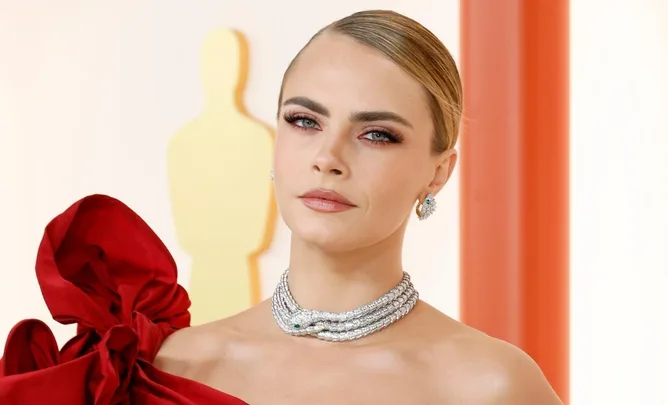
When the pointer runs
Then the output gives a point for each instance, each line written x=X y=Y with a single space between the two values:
x=342 y=260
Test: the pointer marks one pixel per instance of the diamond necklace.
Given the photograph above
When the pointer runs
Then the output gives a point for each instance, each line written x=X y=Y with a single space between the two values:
x=344 y=326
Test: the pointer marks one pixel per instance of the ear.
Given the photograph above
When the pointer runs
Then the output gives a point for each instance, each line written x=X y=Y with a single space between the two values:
x=445 y=164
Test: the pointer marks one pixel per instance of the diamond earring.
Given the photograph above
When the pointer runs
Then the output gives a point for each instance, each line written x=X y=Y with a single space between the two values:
x=271 y=175
x=426 y=207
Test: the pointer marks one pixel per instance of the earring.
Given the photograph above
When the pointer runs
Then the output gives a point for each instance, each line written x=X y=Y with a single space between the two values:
x=271 y=175
x=426 y=207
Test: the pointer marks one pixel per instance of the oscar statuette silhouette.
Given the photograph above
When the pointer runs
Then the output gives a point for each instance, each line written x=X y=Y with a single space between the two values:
x=221 y=194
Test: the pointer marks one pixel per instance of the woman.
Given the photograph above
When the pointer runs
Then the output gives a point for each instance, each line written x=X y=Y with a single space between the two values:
x=368 y=119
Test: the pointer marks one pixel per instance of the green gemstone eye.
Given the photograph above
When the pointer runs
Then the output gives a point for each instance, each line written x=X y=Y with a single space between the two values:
x=297 y=326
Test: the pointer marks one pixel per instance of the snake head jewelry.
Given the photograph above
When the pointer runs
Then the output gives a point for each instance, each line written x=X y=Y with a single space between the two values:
x=305 y=322
x=426 y=207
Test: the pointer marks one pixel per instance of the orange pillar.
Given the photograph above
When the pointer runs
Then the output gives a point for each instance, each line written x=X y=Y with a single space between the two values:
x=514 y=168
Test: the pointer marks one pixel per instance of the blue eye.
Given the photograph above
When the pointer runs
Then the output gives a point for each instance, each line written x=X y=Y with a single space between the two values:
x=306 y=123
x=376 y=136
x=301 y=122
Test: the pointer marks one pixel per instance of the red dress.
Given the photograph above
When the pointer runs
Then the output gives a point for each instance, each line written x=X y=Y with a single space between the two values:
x=100 y=266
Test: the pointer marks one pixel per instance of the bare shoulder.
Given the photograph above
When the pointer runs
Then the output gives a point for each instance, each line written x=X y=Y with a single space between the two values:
x=495 y=372
x=186 y=348
x=189 y=350
x=472 y=367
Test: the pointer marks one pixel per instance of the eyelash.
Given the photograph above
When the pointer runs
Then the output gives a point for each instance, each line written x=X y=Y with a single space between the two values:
x=292 y=118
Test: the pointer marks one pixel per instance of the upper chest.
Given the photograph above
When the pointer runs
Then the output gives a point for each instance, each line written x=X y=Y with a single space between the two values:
x=348 y=377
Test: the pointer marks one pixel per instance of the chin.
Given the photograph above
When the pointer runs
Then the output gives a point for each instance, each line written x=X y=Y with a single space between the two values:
x=326 y=235
x=339 y=232
x=337 y=237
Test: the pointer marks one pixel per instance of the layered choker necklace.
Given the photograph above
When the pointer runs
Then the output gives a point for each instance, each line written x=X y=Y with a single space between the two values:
x=343 y=326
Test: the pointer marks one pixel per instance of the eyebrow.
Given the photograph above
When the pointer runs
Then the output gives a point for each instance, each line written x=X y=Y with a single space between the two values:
x=358 y=116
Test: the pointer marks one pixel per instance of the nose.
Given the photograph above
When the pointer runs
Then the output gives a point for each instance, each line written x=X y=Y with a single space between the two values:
x=329 y=159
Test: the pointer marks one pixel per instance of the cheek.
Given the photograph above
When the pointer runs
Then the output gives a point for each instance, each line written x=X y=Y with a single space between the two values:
x=394 y=191
x=291 y=143
x=290 y=164
x=285 y=154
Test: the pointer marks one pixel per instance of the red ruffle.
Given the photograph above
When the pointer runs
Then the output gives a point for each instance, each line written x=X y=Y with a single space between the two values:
x=100 y=266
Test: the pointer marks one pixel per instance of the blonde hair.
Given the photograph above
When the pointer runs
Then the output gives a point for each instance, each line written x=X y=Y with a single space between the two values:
x=417 y=51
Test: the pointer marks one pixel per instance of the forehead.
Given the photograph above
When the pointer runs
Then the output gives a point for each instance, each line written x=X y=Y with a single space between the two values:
x=345 y=75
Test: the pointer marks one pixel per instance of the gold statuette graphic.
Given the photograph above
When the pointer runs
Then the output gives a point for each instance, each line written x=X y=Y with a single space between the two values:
x=218 y=168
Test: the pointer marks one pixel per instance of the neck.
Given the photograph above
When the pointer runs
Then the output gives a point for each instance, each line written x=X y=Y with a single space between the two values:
x=342 y=281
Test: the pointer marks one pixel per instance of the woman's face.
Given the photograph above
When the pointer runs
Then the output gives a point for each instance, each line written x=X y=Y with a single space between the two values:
x=353 y=123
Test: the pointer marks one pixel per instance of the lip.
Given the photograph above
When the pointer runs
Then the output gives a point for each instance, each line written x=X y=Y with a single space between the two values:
x=326 y=201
